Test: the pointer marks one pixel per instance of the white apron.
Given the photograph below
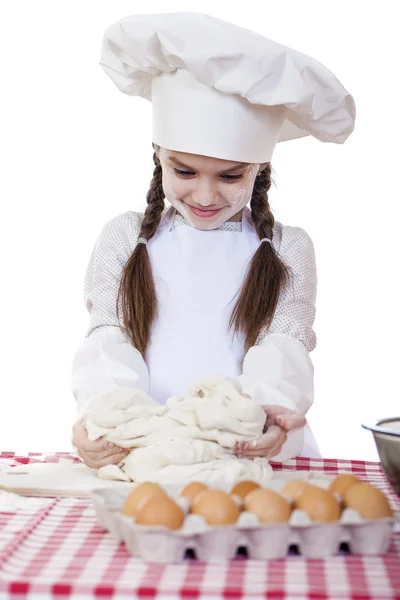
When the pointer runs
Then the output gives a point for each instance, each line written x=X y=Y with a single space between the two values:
x=197 y=276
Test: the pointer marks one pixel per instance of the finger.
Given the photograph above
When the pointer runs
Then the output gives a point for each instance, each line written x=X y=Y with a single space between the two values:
x=110 y=460
x=291 y=421
x=266 y=450
x=284 y=417
x=272 y=412
x=80 y=440
x=264 y=443
x=267 y=440
x=85 y=459
x=266 y=453
x=97 y=446
x=107 y=453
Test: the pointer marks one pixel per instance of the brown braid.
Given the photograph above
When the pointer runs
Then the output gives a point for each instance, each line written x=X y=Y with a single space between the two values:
x=267 y=274
x=137 y=293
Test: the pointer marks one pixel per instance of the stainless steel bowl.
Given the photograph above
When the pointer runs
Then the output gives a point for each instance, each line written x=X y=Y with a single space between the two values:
x=387 y=439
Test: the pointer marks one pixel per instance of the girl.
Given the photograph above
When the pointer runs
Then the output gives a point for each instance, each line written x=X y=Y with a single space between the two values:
x=208 y=284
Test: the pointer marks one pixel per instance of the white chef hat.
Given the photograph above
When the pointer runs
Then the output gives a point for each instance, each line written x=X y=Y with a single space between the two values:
x=223 y=91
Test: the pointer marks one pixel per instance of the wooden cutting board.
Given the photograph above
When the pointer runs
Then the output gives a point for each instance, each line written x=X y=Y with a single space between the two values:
x=65 y=479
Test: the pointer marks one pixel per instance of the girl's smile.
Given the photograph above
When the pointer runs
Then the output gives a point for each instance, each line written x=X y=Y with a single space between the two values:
x=203 y=212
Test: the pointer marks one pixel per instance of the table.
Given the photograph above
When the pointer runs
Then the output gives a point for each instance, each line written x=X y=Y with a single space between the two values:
x=56 y=550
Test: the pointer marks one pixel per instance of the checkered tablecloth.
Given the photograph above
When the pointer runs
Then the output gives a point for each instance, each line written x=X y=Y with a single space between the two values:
x=54 y=549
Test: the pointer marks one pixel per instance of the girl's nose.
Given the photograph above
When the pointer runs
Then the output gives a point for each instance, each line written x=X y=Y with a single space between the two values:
x=205 y=193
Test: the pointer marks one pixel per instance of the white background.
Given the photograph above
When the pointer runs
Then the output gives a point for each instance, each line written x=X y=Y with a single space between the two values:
x=76 y=152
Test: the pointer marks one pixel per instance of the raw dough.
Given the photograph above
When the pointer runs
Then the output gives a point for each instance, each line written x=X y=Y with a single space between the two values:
x=191 y=437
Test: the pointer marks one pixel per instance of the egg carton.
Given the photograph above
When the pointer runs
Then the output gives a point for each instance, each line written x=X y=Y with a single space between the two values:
x=222 y=543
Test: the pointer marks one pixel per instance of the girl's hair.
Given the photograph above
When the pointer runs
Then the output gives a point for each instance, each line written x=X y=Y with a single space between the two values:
x=266 y=276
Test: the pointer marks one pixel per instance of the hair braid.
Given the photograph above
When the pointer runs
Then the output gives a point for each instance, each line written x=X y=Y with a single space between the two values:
x=267 y=273
x=137 y=293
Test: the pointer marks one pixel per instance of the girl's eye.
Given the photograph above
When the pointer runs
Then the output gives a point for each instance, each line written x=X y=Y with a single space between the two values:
x=183 y=173
x=190 y=173
x=232 y=177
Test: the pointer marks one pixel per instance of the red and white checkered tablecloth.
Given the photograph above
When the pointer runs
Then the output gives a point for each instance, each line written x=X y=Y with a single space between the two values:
x=56 y=550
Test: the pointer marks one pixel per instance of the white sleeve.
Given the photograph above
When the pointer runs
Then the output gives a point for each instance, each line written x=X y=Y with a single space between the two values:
x=106 y=360
x=278 y=370
x=111 y=252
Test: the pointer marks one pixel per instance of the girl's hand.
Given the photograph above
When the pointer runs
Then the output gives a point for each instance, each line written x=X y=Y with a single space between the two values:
x=279 y=421
x=267 y=445
x=95 y=454
x=284 y=417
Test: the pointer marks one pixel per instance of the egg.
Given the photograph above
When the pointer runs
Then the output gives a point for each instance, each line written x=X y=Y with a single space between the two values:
x=162 y=511
x=292 y=489
x=342 y=483
x=138 y=496
x=243 y=488
x=192 y=490
x=269 y=506
x=370 y=502
x=321 y=505
x=216 y=507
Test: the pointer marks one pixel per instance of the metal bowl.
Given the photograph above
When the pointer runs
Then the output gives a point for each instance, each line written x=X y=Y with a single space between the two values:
x=387 y=439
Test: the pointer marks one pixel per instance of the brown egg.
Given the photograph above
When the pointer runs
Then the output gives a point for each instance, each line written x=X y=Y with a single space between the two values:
x=243 y=488
x=161 y=510
x=138 y=496
x=320 y=504
x=217 y=507
x=342 y=483
x=192 y=490
x=292 y=489
x=370 y=502
x=269 y=506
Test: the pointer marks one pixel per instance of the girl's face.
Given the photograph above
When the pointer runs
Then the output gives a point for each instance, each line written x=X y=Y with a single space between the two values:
x=206 y=191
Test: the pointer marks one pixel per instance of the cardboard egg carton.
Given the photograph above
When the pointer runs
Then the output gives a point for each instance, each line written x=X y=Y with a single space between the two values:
x=261 y=541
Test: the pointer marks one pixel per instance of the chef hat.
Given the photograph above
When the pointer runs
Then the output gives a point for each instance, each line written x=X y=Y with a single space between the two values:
x=223 y=91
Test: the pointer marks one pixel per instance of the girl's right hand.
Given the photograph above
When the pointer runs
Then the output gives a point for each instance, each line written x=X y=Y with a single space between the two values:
x=95 y=454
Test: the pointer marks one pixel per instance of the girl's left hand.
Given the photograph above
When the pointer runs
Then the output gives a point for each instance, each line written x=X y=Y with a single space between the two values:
x=284 y=417
x=279 y=421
